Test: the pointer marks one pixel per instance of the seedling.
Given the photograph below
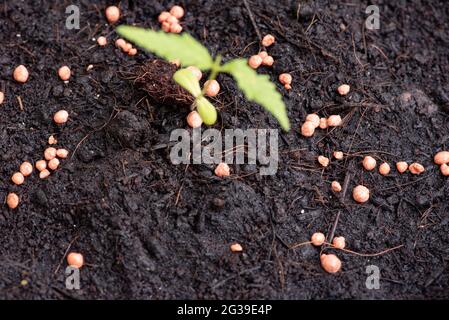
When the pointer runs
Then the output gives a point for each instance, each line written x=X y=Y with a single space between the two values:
x=189 y=52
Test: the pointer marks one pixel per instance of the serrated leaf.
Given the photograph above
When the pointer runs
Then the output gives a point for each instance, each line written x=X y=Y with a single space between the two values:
x=186 y=79
x=169 y=46
x=258 y=88
x=207 y=111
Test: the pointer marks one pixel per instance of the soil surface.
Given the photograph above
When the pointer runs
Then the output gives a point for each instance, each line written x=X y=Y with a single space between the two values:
x=149 y=229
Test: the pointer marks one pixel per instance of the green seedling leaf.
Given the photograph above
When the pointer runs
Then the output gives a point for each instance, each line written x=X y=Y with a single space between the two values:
x=258 y=88
x=186 y=79
x=169 y=46
x=206 y=110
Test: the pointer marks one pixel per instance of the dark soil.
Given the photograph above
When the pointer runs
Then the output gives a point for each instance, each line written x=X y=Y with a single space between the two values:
x=149 y=229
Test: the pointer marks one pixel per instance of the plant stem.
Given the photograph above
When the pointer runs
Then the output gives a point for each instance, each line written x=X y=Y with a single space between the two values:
x=215 y=68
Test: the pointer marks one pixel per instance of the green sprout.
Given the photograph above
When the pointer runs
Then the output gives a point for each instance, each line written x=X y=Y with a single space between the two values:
x=190 y=52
